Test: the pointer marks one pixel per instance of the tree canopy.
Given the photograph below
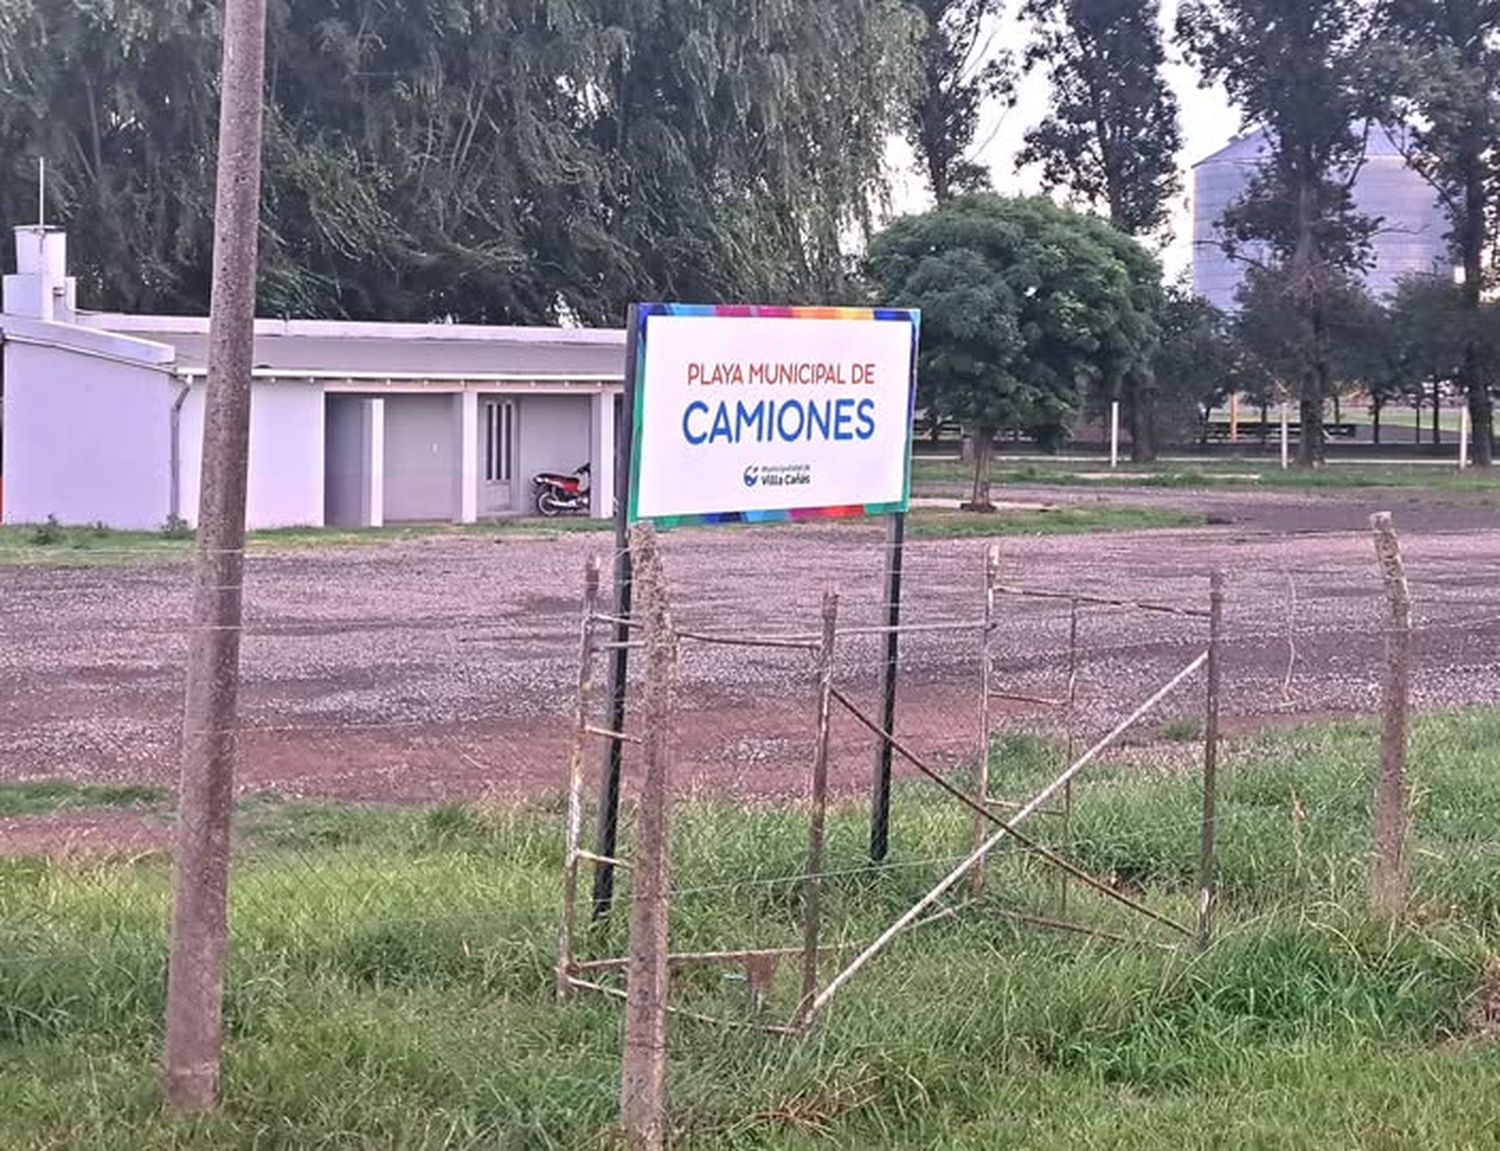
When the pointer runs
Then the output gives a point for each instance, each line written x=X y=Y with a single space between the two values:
x=488 y=160
x=1025 y=306
x=959 y=70
x=1299 y=68
x=1442 y=67
x=1112 y=135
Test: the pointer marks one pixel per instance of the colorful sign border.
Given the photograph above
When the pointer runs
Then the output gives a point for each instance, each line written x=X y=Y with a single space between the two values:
x=635 y=391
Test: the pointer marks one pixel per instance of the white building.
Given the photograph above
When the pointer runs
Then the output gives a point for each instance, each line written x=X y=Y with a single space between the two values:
x=1411 y=238
x=352 y=424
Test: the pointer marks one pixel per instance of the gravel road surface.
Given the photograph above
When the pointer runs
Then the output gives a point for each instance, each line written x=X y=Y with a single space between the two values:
x=443 y=669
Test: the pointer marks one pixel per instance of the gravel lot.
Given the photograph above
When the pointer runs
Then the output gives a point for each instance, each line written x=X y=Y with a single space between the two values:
x=443 y=669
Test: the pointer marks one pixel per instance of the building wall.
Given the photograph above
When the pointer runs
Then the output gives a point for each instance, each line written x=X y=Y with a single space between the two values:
x=421 y=458
x=1410 y=240
x=286 y=455
x=86 y=438
x=1412 y=236
x=553 y=436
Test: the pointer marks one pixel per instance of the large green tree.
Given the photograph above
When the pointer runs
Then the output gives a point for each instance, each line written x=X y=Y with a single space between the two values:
x=1299 y=69
x=960 y=70
x=1444 y=68
x=1026 y=306
x=1195 y=360
x=1112 y=135
x=488 y=160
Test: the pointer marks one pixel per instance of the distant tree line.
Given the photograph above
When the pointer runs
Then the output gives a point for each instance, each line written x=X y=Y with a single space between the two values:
x=1316 y=75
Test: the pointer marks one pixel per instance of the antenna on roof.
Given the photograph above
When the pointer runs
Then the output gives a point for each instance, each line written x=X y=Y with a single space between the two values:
x=41 y=191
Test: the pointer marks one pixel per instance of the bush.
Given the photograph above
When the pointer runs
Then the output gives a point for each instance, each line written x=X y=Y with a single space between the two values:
x=48 y=533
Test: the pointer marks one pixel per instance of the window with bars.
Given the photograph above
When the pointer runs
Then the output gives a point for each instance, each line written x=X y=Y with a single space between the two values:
x=499 y=425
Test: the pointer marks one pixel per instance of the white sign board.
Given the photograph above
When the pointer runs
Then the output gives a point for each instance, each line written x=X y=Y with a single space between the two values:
x=754 y=414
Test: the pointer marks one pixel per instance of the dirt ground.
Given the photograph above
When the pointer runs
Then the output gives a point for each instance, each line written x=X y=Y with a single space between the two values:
x=445 y=669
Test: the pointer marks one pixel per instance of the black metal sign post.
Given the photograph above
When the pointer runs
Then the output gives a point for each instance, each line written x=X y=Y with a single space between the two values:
x=880 y=790
x=619 y=656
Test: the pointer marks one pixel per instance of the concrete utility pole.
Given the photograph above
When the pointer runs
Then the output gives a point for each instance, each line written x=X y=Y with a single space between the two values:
x=200 y=872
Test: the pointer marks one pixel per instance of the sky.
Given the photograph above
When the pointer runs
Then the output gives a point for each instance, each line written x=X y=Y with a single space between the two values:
x=1208 y=123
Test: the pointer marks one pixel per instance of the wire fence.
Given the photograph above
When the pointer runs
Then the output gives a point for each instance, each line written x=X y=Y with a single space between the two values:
x=411 y=714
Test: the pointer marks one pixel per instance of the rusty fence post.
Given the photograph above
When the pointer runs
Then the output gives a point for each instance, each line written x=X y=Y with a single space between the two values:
x=812 y=909
x=986 y=676
x=571 y=858
x=644 y=1063
x=1387 y=877
x=1208 y=863
x=193 y=1046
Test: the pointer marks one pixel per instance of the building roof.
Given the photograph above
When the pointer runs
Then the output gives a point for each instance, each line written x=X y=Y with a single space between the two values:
x=336 y=349
x=1248 y=148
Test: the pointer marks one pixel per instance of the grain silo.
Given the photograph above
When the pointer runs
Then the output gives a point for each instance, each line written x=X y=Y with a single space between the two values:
x=1410 y=240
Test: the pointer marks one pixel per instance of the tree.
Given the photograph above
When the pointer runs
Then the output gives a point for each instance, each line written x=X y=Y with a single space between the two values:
x=122 y=104
x=1444 y=66
x=958 y=73
x=1374 y=355
x=1112 y=137
x=1298 y=68
x=1128 y=361
x=1194 y=365
x=1440 y=334
x=481 y=160
x=1025 y=306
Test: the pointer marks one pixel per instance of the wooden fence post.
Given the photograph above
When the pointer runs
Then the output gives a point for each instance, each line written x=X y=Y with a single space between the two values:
x=1070 y=705
x=986 y=675
x=193 y=1044
x=812 y=908
x=1207 y=866
x=644 y=1064
x=575 y=779
x=1391 y=810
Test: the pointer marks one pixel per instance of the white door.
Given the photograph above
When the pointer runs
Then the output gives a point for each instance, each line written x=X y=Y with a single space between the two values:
x=497 y=429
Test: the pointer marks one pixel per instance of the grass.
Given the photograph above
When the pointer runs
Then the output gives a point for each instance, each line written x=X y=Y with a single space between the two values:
x=391 y=986
x=1181 y=731
x=46 y=796
x=1397 y=417
x=69 y=545
x=1252 y=471
x=926 y=524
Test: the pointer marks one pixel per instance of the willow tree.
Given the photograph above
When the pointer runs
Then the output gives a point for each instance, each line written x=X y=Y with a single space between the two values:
x=486 y=160
x=746 y=142
x=121 y=100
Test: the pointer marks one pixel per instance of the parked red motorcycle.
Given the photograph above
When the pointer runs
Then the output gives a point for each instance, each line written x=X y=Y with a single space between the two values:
x=558 y=494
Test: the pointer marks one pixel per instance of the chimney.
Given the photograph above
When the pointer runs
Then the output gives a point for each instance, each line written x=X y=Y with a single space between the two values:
x=41 y=289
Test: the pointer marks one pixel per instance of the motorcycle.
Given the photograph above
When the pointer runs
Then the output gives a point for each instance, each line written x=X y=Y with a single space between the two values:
x=561 y=494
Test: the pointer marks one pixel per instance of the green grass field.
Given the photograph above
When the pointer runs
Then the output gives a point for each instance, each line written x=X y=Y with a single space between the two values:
x=71 y=545
x=1247 y=472
x=50 y=796
x=391 y=977
x=930 y=524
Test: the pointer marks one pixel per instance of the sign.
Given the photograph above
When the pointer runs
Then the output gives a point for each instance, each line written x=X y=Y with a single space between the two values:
x=746 y=414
